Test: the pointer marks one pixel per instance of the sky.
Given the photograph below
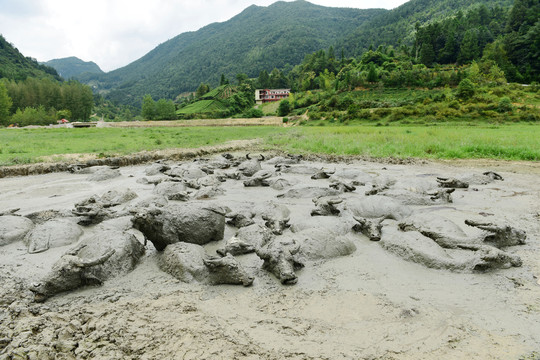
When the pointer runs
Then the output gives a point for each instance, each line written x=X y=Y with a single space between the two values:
x=114 y=33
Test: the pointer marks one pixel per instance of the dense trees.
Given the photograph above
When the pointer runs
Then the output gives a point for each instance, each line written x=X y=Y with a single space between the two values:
x=51 y=95
x=258 y=38
x=511 y=40
x=5 y=104
x=522 y=42
x=162 y=109
x=15 y=66
x=461 y=38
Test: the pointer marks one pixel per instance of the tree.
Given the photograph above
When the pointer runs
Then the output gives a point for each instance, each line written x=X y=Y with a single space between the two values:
x=63 y=114
x=223 y=80
x=148 y=108
x=77 y=98
x=263 y=80
x=202 y=90
x=241 y=78
x=5 y=104
x=427 y=54
x=284 y=108
x=372 y=74
x=165 y=110
x=469 y=49
x=277 y=80
x=522 y=42
x=449 y=52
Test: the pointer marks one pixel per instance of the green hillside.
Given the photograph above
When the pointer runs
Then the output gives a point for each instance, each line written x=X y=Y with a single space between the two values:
x=73 y=66
x=264 y=38
x=398 y=26
x=259 y=38
x=15 y=66
x=215 y=103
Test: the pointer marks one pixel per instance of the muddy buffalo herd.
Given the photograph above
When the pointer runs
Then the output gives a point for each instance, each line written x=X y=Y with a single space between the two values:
x=188 y=209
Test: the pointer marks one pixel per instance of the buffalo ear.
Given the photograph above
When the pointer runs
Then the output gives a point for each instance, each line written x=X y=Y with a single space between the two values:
x=248 y=157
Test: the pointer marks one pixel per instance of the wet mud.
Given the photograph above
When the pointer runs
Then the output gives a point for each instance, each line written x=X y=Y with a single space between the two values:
x=321 y=271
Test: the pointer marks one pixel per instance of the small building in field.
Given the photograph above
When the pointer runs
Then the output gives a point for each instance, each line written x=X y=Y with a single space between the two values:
x=268 y=95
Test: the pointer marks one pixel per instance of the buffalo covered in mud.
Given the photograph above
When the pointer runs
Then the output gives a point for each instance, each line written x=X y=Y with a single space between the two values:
x=202 y=218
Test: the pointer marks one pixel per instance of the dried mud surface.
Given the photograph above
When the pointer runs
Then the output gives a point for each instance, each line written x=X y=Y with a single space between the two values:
x=368 y=305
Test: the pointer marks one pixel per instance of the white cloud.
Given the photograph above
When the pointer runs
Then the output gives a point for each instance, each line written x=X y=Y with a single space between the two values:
x=114 y=33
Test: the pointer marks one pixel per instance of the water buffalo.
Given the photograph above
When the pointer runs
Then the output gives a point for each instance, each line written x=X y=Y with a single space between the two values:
x=107 y=254
x=281 y=258
x=249 y=167
x=189 y=262
x=195 y=223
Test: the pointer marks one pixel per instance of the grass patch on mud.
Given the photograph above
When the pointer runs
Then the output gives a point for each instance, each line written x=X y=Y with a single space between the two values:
x=505 y=142
x=23 y=146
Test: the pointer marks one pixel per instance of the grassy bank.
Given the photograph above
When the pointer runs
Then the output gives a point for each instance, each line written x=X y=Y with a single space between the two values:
x=24 y=146
x=508 y=142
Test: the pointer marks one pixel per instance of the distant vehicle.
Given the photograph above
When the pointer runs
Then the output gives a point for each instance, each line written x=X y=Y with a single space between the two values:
x=63 y=121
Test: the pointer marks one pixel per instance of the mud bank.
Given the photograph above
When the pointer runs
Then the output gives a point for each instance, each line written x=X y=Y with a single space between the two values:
x=369 y=304
x=133 y=159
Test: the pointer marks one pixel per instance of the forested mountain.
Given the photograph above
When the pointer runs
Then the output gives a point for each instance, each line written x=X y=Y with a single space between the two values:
x=259 y=38
x=281 y=35
x=34 y=94
x=398 y=26
x=15 y=66
x=73 y=66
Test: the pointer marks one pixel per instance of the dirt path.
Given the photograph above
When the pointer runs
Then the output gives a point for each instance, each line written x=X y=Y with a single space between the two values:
x=265 y=121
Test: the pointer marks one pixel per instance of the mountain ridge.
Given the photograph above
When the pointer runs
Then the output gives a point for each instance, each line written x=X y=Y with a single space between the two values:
x=72 y=66
x=258 y=38
x=16 y=66
x=264 y=38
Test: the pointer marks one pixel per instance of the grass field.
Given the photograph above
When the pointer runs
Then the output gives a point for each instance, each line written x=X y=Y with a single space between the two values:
x=203 y=106
x=509 y=142
x=23 y=146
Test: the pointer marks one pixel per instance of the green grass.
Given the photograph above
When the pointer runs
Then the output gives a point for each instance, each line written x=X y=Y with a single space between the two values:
x=269 y=108
x=508 y=142
x=21 y=146
x=203 y=106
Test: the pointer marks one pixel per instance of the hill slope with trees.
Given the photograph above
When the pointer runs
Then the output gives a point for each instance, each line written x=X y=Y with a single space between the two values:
x=398 y=26
x=259 y=38
x=34 y=94
x=72 y=66
x=16 y=66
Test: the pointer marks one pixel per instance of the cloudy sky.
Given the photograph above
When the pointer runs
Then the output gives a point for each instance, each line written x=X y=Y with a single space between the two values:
x=114 y=33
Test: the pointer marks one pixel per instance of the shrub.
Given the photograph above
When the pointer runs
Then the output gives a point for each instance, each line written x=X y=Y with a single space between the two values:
x=284 y=108
x=345 y=102
x=314 y=115
x=454 y=105
x=253 y=113
x=63 y=114
x=465 y=89
x=33 y=116
x=505 y=105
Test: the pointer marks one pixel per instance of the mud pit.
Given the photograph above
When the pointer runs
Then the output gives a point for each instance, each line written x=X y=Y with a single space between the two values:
x=403 y=297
